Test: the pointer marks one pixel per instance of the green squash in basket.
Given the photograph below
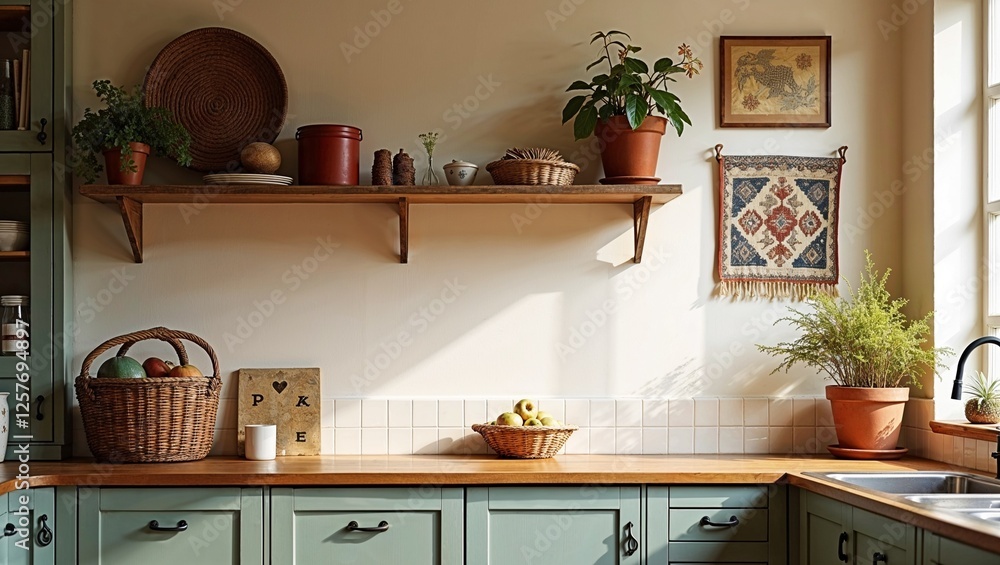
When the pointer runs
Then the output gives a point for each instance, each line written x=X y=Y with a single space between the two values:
x=121 y=368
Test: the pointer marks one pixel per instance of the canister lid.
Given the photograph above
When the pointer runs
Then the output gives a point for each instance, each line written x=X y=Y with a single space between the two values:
x=13 y=300
x=460 y=164
x=328 y=130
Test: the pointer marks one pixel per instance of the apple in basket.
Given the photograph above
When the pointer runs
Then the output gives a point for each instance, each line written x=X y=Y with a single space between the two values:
x=509 y=419
x=185 y=371
x=157 y=368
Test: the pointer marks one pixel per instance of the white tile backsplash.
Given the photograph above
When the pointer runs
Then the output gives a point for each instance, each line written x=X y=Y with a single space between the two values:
x=374 y=413
x=628 y=413
x=451 y=413
x=704 y=425
x=681 y=411
x=401 y=414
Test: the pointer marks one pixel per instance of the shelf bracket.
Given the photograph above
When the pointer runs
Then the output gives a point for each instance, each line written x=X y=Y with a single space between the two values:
x=131 y=210
x=404 y=230
x=640 y=219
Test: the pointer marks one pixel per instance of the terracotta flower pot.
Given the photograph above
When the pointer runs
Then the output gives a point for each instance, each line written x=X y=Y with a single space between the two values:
x=867 y=418
x=113 y=165
x=627 y=152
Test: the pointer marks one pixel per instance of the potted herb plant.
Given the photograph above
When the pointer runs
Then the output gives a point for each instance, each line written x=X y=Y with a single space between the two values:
x=620 y=102
x=870 y=350
x=125 y=133
x=984 y=406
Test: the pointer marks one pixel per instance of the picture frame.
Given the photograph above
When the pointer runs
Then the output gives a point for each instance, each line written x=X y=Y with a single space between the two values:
x=774 y=81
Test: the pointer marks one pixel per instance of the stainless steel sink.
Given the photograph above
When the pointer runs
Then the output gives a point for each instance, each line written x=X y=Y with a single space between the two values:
x=919 y=482
x=961 y=502
x=991 y=516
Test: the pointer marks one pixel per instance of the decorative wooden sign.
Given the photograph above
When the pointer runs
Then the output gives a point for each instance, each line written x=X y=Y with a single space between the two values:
x=287 y=398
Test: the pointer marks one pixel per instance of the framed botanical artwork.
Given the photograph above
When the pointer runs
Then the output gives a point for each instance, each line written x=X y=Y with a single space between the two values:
x=775 y=81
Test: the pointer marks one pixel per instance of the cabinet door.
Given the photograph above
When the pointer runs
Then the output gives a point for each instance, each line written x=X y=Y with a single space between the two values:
x=29 y=25
x=824 y=531
x=553 y=525
x=27 y=525
x=419 y=526
x=26 y=195
x=944 y=551
x=878 y=539
x=172 y=526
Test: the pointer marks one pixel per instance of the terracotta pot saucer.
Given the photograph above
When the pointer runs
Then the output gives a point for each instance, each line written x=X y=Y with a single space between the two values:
x=873 y=454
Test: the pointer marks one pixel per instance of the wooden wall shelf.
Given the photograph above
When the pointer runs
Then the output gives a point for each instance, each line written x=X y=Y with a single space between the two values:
x=130 y=200
x=985 y=432
x=15 y=255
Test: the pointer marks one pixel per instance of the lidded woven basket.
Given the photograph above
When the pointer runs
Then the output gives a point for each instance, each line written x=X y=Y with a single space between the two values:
x=150 y=420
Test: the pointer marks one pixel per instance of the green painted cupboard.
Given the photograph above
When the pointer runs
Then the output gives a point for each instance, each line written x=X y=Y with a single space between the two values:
x=594 y=524
x=27 y=526
x=418 y=525
x=938 y=550
x=834 y=533
x=744 y=524
x=36 y=187
x=171 y=526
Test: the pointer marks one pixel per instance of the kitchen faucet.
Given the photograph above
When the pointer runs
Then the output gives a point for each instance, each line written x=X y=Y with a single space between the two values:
x=956 y=387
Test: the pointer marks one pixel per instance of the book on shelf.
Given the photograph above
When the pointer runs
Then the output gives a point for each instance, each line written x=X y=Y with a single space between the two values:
x=17 y=90
x=23 y=108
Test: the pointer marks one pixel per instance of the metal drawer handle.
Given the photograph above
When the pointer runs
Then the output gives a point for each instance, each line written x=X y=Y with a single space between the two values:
x=876 y=557
x=44 y=533
x=706 y=521
x=841 y=554
x=181 y=526
x=38 y=410
x=42 y=137
x=382 y=526
x=9 y=530
x=631 y=544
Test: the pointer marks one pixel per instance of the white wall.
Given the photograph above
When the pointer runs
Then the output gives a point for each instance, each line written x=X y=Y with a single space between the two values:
x=524 y=290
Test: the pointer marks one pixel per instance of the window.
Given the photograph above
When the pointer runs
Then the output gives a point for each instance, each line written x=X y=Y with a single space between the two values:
x=991 y=143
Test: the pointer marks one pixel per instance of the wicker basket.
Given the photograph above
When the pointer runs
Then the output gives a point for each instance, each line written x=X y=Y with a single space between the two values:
x=525 y=442
x=149 y=420
x=532 y=171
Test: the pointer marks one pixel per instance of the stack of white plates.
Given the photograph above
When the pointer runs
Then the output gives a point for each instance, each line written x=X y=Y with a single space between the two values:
x=13 y=236
x=246 y=178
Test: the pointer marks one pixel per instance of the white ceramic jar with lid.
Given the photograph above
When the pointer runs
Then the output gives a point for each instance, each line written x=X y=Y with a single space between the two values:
x=461 y=173
x=14 y=324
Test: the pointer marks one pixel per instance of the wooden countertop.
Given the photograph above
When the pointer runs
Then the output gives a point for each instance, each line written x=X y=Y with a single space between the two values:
x=370 y=470
x=442 y=470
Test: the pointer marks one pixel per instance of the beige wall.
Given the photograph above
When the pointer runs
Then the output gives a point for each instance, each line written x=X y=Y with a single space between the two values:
x=524 y=289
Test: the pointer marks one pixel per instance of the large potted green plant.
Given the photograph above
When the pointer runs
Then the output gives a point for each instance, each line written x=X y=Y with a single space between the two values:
x=619 y=105
x=125 y=133
x=871 y=351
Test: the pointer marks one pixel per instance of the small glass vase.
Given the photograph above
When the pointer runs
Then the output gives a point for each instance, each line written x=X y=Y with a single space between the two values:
x=430 y=177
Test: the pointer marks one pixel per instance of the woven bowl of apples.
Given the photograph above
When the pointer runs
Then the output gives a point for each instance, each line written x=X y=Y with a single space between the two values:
x=525 y=432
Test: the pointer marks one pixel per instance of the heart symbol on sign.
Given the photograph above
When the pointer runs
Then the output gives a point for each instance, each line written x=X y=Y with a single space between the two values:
x=280 y=386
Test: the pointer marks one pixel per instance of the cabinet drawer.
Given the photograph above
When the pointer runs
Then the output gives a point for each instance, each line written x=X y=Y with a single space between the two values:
x=719 y=497
x=686 y=524
x=367 y=525
x=172 y=526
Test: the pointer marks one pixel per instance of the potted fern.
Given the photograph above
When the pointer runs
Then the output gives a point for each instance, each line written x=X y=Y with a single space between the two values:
x=871 y=351
x=618 y=105
x=125 y=133
x=984 y=405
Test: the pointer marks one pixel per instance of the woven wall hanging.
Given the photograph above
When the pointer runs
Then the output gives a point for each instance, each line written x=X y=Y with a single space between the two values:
x=778 y=225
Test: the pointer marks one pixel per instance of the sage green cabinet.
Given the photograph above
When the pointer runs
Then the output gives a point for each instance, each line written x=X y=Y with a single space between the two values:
x=834 y=533
x=717 y=524
x=27 y=523
x=416 y=526
x=593 y=524
x=36 y=186
x=939 y=550
x=171 y=526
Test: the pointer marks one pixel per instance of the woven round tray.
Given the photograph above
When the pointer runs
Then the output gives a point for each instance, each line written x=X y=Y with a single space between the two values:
x=525 y=442
x=225 y=88
x=532 y=172
x=149 y=420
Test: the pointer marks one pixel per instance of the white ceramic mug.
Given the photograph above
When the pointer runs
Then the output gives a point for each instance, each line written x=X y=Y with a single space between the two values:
x=260 y=442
